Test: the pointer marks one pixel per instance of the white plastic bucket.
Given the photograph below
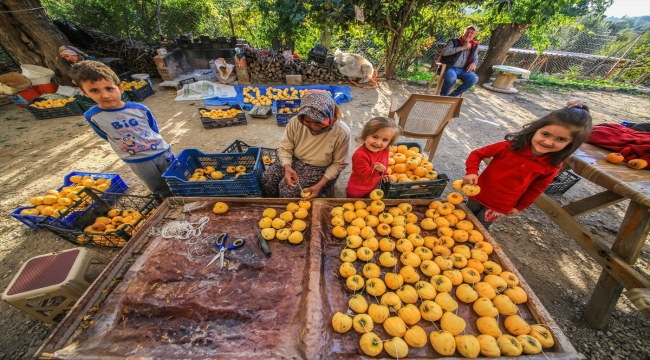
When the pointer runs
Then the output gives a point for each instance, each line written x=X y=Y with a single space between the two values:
x=142 y=77
x=37 y=74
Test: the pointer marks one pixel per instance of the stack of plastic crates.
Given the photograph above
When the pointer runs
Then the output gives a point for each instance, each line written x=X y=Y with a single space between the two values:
x=120 y=217
x=117 y=186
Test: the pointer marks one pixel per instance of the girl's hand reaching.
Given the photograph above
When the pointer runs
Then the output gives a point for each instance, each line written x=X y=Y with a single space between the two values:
x=512 y=212
x=379 y=167
x=470 y=179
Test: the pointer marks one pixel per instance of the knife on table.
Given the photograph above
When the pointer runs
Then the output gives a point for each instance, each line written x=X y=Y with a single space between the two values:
x=264 y=244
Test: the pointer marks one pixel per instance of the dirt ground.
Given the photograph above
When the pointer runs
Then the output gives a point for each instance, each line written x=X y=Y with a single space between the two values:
x=36 y=155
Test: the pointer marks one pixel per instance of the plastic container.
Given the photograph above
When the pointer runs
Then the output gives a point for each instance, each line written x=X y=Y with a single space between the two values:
x=70 y=226
x=117 y=186
x=209 y=123
x=188 y=160
x=239 y=146
x=24 y=97
x=142 y=77
x=562 y=182
x=69 y=109
x=283 y=119
x=49 y=88
x=429 y=189
x=141 y=93
x=37 y=74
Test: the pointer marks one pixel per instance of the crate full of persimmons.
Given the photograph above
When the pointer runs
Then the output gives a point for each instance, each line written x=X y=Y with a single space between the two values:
x=47 y=108
x=410 y=175
x=54 y=202
x=217 y=118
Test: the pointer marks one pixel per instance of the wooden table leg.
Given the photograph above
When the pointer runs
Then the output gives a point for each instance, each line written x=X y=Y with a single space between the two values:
x=628 y=243
x=504 y=81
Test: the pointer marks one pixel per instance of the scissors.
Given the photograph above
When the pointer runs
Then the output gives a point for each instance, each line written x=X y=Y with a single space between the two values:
x=220 y=243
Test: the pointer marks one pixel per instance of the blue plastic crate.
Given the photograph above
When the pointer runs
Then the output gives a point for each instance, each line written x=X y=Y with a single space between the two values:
x=239 y=146
x=118 y=186
x=283 y=119
x=188 y=160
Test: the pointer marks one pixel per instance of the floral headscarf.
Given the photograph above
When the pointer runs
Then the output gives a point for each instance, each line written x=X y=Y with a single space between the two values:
x=320 y=107
x=71 y=50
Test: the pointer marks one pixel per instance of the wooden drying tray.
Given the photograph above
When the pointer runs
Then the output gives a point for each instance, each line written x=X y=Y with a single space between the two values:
x=317 y=339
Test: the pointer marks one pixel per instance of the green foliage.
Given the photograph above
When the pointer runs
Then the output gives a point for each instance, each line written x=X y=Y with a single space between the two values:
x=579 y=35
x=404 y=25
x=586 y=7
x=563 y=84
x=639 y=66
x=138 y=19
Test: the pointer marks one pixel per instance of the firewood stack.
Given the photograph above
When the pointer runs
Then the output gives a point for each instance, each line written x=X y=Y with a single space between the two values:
x=135 y=55
x=268 y=67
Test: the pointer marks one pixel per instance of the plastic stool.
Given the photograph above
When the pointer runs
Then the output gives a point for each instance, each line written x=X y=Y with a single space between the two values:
x=47 y=285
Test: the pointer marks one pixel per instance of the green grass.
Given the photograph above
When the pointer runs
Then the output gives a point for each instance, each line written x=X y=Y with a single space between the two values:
x=416 y=75
x=550 y=82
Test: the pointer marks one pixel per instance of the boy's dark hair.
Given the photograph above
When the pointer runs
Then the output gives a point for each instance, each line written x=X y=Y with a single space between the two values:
x=89 y=70
x=377 y=123
x=576 y=118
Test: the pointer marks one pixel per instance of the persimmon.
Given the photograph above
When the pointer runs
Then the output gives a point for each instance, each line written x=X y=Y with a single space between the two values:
x=455 y=198
x=637 y=164
x=614 y=158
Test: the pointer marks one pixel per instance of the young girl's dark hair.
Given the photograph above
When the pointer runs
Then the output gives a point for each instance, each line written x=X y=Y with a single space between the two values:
x=377 y=123
x=576 y=117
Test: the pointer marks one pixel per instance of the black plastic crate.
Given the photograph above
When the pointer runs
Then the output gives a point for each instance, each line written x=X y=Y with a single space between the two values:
x=430 y=189
x=238 y=146
x=69 y=109
x=141 y=93
x=210 y=123
x=321 y=61
x=562 y=182
x=279 y=46
x=94 y=204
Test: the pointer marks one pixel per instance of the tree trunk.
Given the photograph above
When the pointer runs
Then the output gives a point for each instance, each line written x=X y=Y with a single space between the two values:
x=501 y=39
x=32 y=36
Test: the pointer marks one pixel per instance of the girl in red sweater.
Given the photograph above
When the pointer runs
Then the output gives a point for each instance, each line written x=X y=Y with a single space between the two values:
x=525 y=164
x=371 y=159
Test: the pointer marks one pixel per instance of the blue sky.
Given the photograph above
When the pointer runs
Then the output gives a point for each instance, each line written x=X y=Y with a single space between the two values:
x=630 y=8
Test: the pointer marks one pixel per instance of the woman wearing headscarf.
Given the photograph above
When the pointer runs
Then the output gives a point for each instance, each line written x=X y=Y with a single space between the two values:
x=73 y=55
x=314 y=150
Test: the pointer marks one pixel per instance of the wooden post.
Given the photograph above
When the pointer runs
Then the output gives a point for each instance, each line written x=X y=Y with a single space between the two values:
x=628 y=243
x=622 y=56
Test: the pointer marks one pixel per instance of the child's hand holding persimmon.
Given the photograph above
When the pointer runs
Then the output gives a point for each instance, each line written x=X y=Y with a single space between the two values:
x=470 y=179
x=379 y=167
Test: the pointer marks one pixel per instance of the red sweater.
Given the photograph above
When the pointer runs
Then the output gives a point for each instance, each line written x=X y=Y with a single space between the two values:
x=512 y=179
x=364 y=177
x=632 y=144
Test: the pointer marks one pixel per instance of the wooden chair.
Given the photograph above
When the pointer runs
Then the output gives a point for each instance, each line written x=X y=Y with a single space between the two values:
x=440 y=71
x=425 y=117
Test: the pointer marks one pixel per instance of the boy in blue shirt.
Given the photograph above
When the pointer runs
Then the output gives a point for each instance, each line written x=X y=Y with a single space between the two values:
x=129 y=127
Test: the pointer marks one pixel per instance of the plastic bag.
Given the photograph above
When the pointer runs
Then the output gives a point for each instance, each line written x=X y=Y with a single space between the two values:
x=225 y=71
x=353 y=66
